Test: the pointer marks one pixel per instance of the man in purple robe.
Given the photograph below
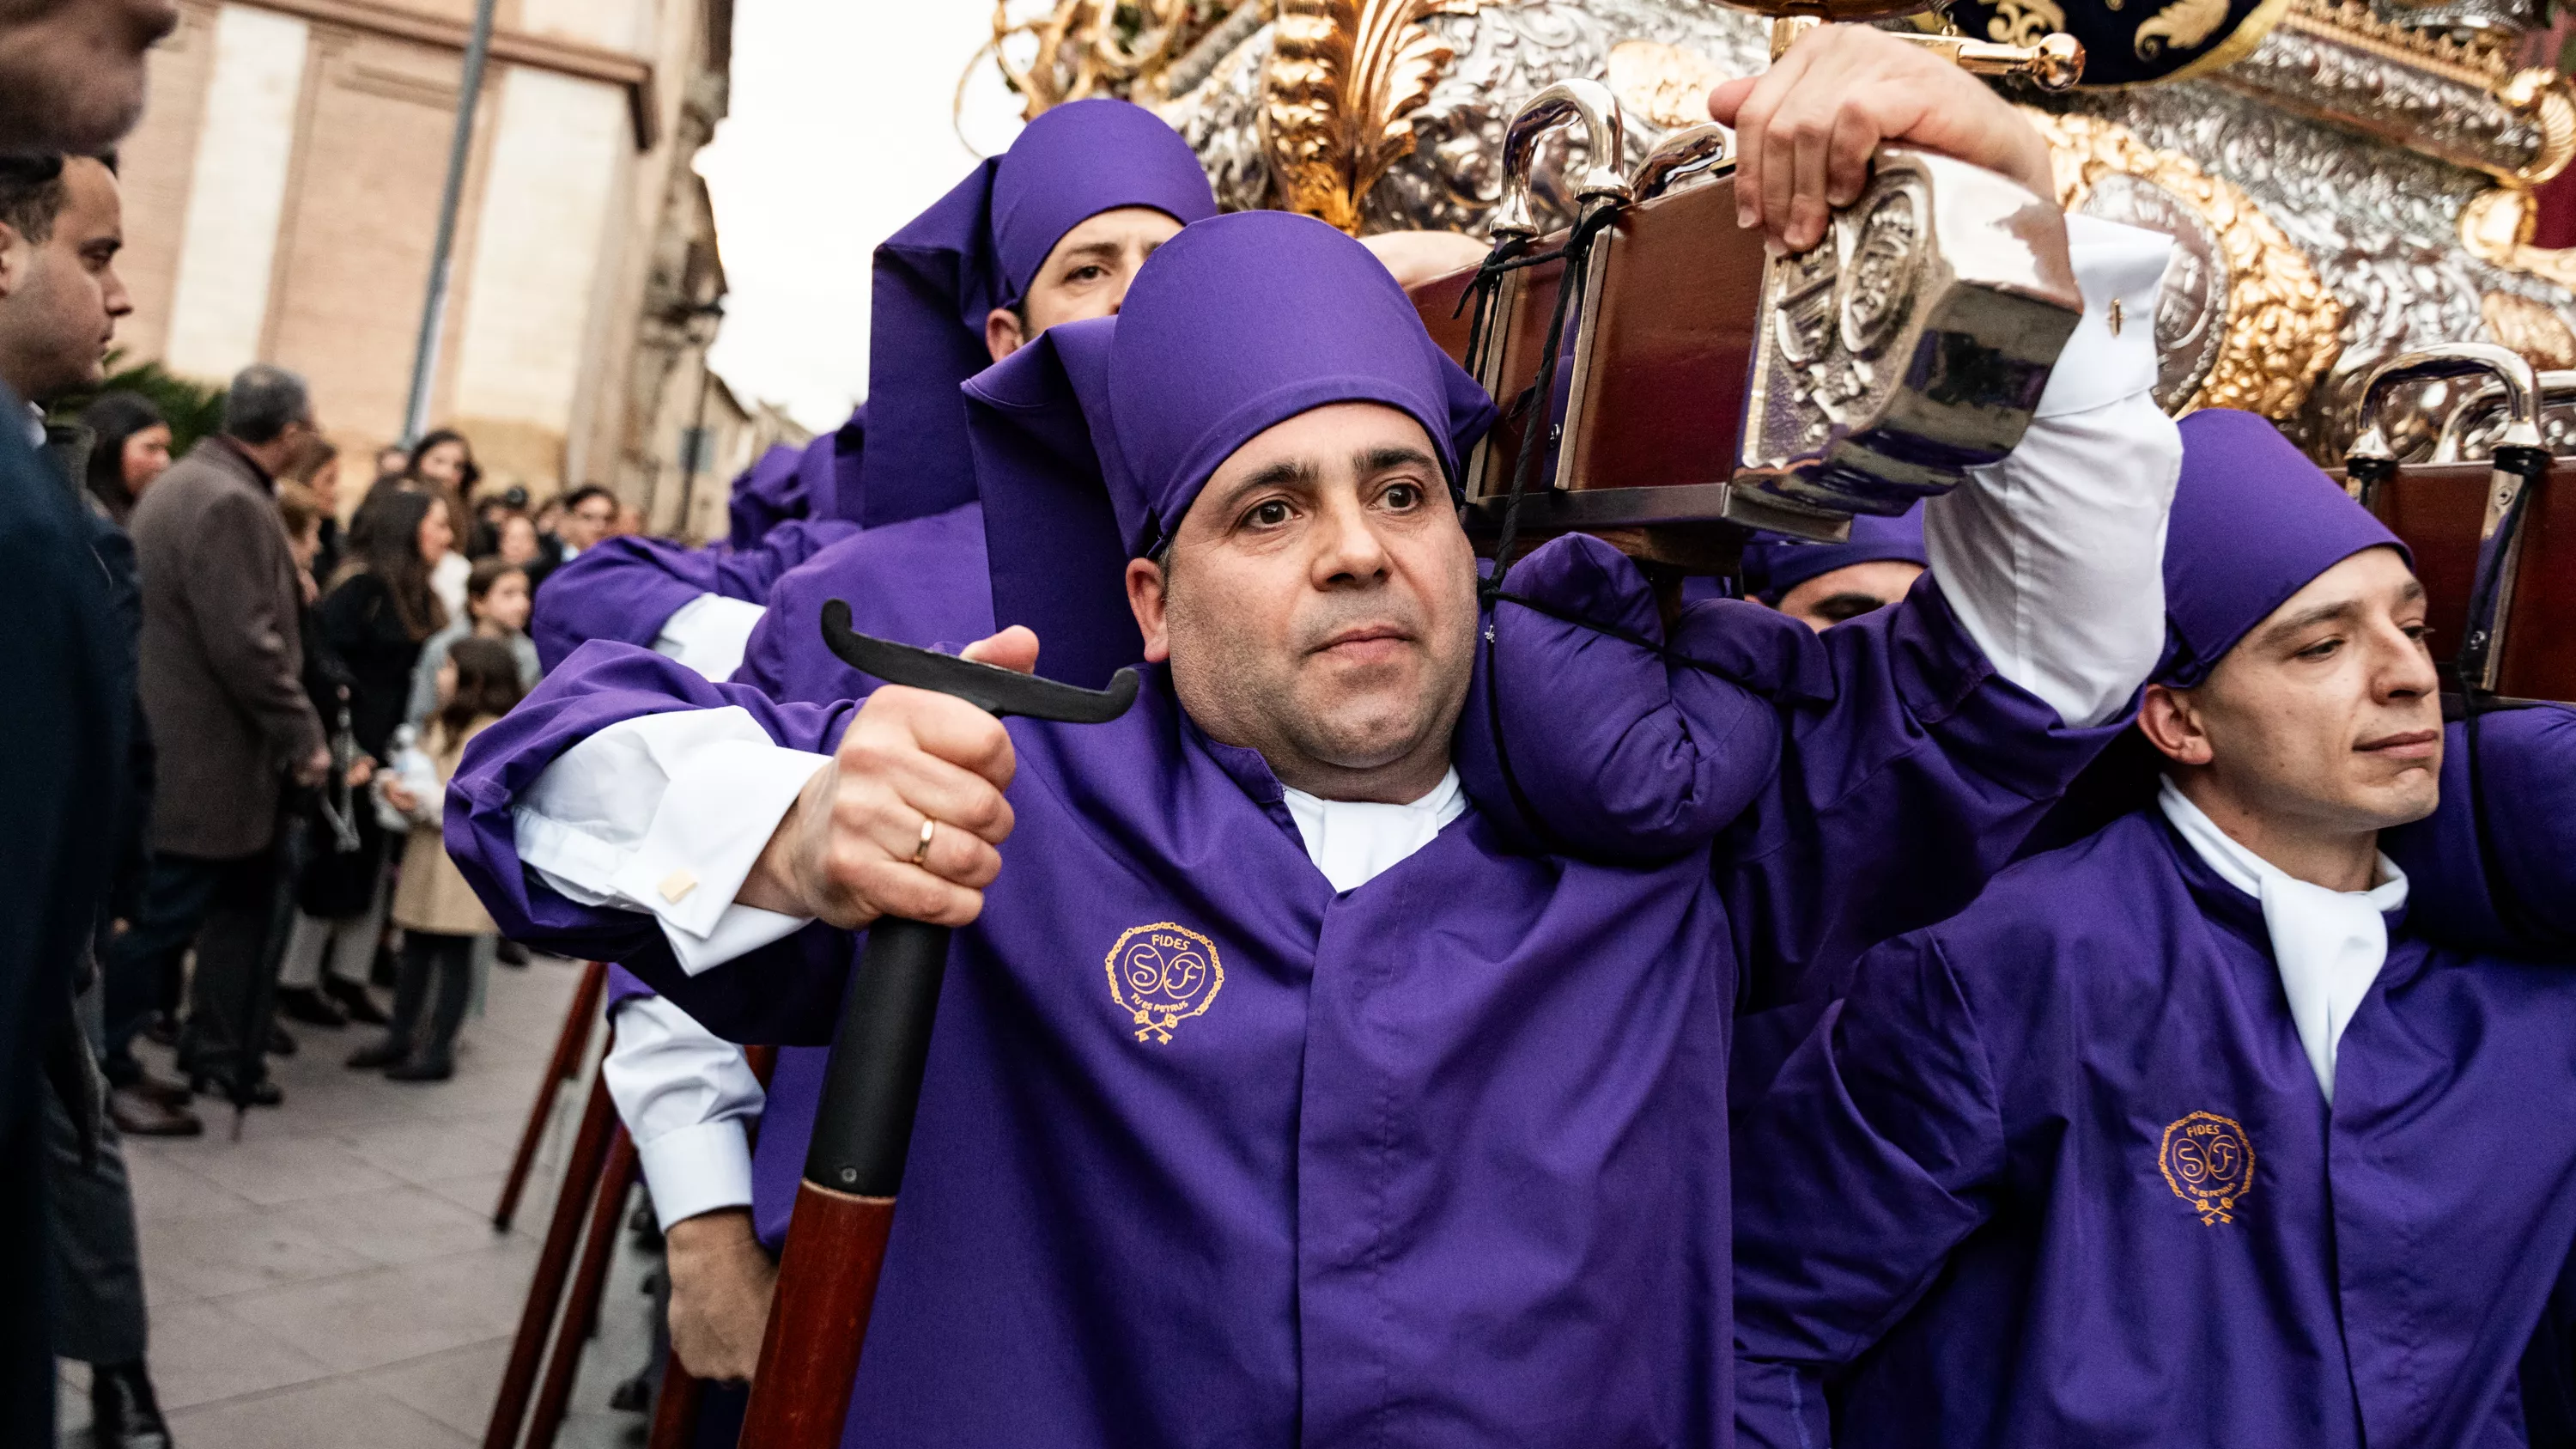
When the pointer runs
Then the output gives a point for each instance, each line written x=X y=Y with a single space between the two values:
x=2188 y=1133
x=1823 y=584
x=1052 y=230
x=1284 y=1089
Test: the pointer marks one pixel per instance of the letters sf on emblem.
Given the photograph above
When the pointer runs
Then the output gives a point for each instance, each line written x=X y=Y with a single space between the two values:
x=1162 y=975
x=2209 y=1163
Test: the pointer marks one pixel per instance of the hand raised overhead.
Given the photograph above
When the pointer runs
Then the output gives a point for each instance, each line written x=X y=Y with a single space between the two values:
x=854 y=846
x=1805 y=129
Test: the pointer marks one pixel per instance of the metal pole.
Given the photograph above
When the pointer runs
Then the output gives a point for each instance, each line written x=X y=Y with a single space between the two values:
x=442 y=254
x=697 y=446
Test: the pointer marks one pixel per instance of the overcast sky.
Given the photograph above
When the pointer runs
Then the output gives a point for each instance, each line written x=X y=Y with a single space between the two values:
x=839 y=133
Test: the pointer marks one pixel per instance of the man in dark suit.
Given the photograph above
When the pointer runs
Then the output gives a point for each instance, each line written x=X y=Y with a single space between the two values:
x=55 y=326
x=71 y=79
x=222 y=690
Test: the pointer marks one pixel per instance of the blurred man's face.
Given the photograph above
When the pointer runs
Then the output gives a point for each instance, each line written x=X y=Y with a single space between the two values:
x=1085 y=276
x=587 y=522
x=71 y=71
x=2326 y=719
x=1318 y=604
x=60 y=298
x=1849 y=592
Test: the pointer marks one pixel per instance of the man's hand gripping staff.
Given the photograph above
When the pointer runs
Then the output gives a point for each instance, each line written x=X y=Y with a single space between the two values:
x=897 y=834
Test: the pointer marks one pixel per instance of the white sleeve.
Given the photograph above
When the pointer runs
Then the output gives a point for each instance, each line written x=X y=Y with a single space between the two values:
x=2053 y=559
x=708 y=634
x=667 y=814
x=685 y=1097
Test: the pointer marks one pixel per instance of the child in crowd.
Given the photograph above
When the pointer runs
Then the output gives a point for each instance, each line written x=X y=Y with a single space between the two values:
x=439 y=915
x=496 y=608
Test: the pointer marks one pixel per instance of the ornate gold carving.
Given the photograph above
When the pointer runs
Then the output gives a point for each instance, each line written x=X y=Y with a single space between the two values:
x=1081 y=48
x=2533 y=329
x=2541 y=96
x=1344 y=81
x=2284 y=329
x=1665 y=85
x=2496 y=228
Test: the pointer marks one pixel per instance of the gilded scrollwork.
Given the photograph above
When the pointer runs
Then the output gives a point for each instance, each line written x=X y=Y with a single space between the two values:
x=2023 y=22
x=2277 y=330
x=1345 y=78
x=1072 y=49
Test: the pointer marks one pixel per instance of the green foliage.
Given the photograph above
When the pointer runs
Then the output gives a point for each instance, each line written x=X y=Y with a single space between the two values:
x=195 y=409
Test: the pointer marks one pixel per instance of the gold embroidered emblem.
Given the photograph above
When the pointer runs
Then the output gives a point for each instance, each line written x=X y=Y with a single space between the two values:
x=1162 y=975
x=2209 y=1163
x=2183 y=25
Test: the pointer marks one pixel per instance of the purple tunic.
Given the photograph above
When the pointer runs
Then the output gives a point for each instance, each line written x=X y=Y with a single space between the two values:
x=1209 y=1153
x=768 y=493
x=2058 y=1172
x=626 y=589
x=1472 y=1190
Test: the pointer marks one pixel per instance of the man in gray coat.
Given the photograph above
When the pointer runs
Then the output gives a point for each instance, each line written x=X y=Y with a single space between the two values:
x=221 y=675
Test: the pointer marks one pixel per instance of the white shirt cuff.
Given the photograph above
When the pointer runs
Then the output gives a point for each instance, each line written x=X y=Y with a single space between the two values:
x=2120 y=270
x=709 y=634
x=2053 y=558
x=694 y=1170
x=667 y=814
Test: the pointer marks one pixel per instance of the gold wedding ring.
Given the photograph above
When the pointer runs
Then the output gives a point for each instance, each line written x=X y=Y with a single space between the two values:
x=921 y=852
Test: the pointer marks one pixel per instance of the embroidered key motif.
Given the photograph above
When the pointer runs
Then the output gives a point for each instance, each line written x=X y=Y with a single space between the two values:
x=1162 y=975
x=2208 y=1161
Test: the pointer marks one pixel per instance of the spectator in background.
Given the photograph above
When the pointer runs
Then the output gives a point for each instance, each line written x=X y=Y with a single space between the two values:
x=441 y=918
x=222 y=671
x=316 y=467
x=327 y=684
x=129 y=447
x=444 y=459
x=630 y=521
x=71 y=79
x=496 y=608
x=492 y=512
x=517 y=543
x=586 y=515
x=590 y=514
x=391 y=460
x=379 y=612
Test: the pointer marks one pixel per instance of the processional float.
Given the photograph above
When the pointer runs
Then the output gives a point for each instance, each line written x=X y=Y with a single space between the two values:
x=2352 y=196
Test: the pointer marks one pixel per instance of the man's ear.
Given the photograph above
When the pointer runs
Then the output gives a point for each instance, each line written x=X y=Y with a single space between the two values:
x=2170 y=720
x=15 y=258
x=1002 y=333
x=1148 y=600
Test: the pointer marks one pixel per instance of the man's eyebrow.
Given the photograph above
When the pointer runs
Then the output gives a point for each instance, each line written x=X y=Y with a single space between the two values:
x=1387 y=459
x=1091 y=252
x=1299 y=473
x=2310 y=618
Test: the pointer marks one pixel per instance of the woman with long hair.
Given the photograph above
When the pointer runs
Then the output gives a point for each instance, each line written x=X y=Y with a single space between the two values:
x=130 y=446
x=315 y=464
x=442 y=462
x=379 y=610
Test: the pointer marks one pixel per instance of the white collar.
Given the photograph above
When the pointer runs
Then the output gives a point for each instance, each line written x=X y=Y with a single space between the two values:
x=1354 y=841
x=2328 y=945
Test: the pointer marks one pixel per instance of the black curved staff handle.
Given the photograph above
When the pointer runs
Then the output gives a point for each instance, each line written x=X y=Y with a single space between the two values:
x=836 y=1238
